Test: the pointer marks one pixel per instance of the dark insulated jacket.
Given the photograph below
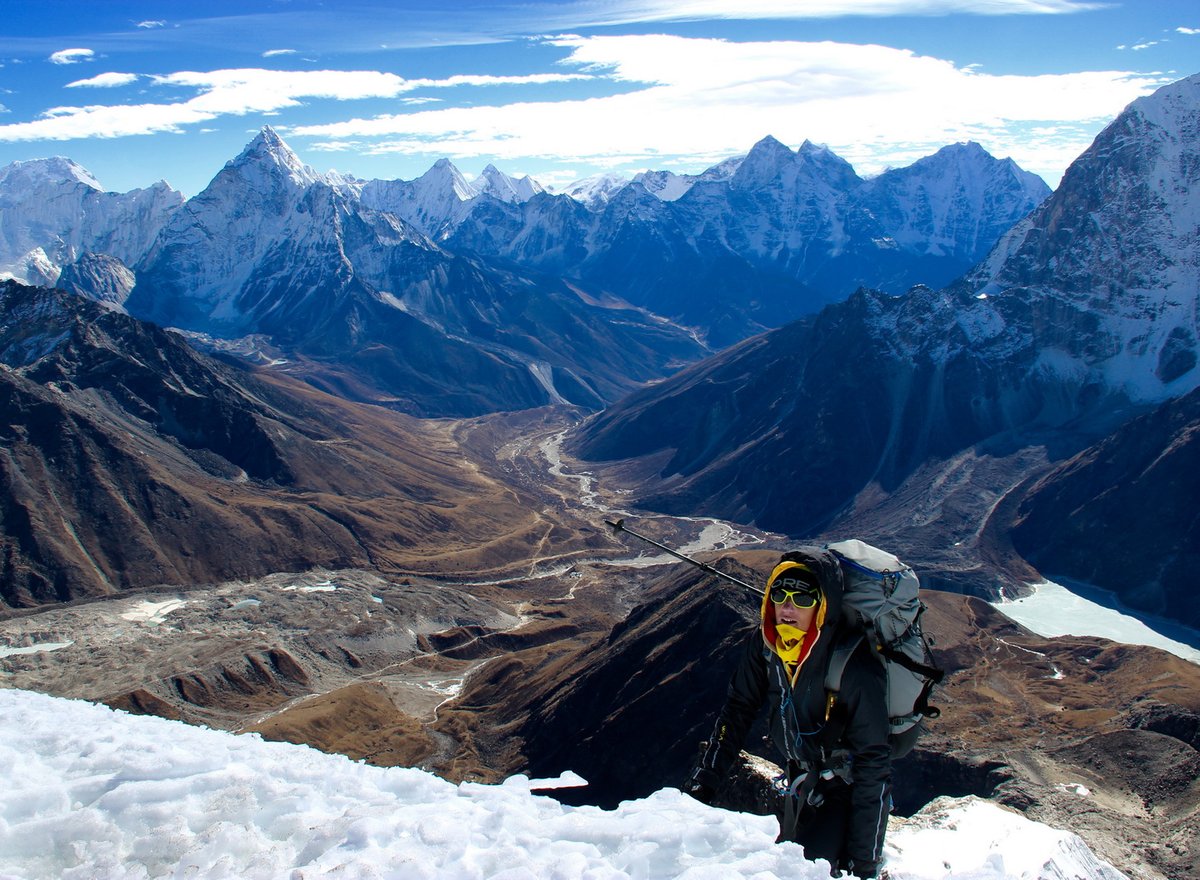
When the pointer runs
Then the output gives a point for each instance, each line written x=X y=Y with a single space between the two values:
x=798 y=725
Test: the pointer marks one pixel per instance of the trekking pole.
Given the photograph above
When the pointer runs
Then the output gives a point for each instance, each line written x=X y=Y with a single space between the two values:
x=619 y=526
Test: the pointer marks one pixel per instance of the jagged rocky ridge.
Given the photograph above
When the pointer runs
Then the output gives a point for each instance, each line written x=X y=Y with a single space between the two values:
x=768 y=237
x=1050 y=344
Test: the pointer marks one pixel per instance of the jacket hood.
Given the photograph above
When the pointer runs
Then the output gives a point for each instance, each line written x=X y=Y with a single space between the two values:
x=817 y=566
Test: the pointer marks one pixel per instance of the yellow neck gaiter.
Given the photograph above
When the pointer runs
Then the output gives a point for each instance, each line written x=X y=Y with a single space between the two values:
x=789 y=642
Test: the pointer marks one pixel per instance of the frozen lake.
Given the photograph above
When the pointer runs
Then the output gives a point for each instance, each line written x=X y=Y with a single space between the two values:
x=1055 y=610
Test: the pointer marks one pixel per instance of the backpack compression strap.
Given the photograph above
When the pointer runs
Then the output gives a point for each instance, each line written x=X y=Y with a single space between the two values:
x=934 y=674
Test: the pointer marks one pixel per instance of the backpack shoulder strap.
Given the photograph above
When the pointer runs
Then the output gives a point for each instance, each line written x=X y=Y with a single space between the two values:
x=838 y=658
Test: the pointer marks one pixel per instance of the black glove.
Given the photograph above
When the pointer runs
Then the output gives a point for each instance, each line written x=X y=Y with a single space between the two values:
x=701 y=786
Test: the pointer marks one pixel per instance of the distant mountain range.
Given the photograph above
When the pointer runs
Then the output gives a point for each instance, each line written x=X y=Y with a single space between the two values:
x=443 y=297
x=765 y=238
x=1083 y=315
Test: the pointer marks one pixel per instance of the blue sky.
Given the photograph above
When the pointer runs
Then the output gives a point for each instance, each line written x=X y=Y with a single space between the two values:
x=141 y=91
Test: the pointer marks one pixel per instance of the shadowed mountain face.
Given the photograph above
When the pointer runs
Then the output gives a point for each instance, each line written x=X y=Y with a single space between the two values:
x=786 y=429
x=128 y=459
x=1122 y=514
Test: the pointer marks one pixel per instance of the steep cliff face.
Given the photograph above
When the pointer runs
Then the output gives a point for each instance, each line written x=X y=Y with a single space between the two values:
x=1116 y=251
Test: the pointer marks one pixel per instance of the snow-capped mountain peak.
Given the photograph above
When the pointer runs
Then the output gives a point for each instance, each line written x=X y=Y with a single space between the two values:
x=770 y=163
x=496 y=183
x=1114 y=251
x=40 y=172
x=54 y=211
x=765 y=162
x=596 y=191
x=828 y=164
x=954 y=203
x=268 y=152
x=667 y=185
x=444 y=178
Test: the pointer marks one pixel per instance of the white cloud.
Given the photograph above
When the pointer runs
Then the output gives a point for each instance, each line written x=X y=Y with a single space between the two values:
x=713 y=98
x=151 y=24
x=1187 y=30
x=105 y=81
x=236 y=93
x=274 y=53
x=72 y=56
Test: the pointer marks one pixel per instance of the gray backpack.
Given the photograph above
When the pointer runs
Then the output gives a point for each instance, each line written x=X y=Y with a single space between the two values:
x=882 y=604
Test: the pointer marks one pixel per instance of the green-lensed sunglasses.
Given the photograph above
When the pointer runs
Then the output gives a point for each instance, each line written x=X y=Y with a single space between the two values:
x=803 y=598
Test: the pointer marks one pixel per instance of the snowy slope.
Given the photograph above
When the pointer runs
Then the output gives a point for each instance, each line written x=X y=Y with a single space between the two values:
x=596 y=191
x=1112 y=259
x=97 y=793
x=213 y=244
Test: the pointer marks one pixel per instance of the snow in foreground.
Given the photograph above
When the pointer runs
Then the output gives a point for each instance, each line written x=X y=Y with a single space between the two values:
x=93 y=793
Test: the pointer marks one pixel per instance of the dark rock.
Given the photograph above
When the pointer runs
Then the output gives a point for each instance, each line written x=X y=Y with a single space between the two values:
x=1140 y=484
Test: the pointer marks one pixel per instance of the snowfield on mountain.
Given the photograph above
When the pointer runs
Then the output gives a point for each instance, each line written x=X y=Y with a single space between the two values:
x=96 y=793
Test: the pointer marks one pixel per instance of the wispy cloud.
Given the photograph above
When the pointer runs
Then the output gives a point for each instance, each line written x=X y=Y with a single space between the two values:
x=72 y=56
x=1187 y=30
x=359 y=26
x=150 y=25
x=104 y=81
x=706 y=97
x=1137 y=47
x=583 y=13
x=275 y=53
x=235 y=92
